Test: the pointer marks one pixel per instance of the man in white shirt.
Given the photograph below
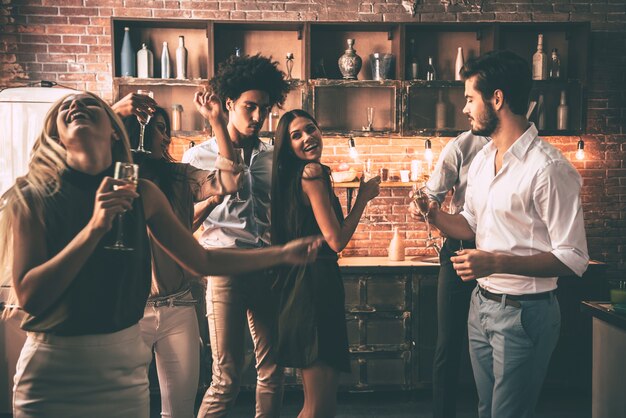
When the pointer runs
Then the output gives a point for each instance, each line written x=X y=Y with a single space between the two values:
x=522 y=206
x=453 y=294
x=248 y=87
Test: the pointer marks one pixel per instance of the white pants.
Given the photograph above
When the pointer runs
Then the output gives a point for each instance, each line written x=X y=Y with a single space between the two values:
x=95 y=376
x=172 y=331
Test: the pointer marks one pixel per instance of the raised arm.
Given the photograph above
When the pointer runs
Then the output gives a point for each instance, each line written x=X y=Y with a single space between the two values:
x=210 y=107
x=181 y=246
x=134 y=104
x=40 y=281
x=315 y=188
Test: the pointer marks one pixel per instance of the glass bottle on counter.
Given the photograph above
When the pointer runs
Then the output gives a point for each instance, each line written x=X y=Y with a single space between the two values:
x=396 y=246
x=555 y=65
x=431 y=74
x=540 y=61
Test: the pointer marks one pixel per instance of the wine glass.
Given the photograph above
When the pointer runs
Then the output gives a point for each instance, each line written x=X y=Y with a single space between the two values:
x=236 y=198
x=419 y=194
x=130 y=173
x=367 y=174
x=143 y=122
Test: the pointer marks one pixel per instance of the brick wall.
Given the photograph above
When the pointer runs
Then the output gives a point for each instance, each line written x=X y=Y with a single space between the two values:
x=68 y=41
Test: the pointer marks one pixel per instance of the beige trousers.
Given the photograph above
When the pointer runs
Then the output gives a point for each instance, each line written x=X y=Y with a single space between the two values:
x=95 y=376
x=234 y=303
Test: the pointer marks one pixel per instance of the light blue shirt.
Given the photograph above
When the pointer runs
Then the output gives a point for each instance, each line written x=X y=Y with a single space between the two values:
x=238 y=224
x=450 y=172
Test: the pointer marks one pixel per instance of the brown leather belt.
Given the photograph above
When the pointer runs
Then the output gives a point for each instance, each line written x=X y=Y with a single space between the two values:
x=513 y=300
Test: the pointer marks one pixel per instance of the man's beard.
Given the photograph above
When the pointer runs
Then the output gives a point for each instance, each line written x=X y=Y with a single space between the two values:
x=488 y=122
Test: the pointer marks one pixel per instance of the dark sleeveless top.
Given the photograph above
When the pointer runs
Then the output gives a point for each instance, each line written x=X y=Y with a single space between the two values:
x=109 y=292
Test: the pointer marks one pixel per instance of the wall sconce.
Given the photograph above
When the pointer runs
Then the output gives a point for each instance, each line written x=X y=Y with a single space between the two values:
x=352 y=151
x=428 y=152
x=580 y=151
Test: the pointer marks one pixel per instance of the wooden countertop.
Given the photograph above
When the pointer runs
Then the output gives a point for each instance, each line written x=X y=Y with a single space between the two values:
x=410 y=261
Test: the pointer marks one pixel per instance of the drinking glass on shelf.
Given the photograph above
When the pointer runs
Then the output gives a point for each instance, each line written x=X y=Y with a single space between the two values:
x=130 y=173
x=236 y=198
x=143 y=122
x=370 y=119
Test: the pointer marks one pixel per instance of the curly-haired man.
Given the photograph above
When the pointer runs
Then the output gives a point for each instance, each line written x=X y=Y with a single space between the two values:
x=248 y=87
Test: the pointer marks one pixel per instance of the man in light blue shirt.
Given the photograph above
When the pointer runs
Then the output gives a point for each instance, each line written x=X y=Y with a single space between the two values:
x=453 y=294
x=248 y=87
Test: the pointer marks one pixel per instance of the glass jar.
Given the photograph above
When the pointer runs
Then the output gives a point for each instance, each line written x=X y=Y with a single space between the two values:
x=177 y=113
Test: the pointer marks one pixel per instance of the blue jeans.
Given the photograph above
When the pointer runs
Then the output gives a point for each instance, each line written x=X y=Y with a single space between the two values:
x=510 y=349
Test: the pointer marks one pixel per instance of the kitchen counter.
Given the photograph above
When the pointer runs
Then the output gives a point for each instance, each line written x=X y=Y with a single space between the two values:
x=410 y=261
x=609 y=363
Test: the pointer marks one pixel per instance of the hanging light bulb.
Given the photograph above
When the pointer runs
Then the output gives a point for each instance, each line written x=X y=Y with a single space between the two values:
x=580 y=152
x=428 y=152
x=352 y=151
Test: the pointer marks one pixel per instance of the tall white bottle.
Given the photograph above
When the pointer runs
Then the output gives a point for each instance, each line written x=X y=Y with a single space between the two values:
x=540 y=61
x=458 y=64
x=561 y=112
x=145 y=62
x=165 y=62
x=181 y=59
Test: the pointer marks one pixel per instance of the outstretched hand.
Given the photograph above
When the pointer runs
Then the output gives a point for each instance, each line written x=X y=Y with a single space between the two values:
x=139 y=105
x=302 y=250
x=473 y=264
x=210 y=107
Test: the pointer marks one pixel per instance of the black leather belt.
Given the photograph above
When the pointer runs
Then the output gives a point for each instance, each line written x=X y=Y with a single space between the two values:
x=513 y=300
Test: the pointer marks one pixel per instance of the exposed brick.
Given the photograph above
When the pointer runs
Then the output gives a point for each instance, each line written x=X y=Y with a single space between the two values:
x=65 y=29
x=68 y=49
x=38 y=10
x=78 y=11
x=172 y=13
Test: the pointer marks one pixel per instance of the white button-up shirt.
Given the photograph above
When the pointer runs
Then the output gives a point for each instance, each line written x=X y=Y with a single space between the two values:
x=532 y=205
x=235 y=224
x=450 y=173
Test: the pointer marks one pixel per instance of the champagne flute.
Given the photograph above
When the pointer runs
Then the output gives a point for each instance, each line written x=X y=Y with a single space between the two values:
x=370 y=119
x=367 y=174
x=236 y=198
x=143 y=122
x=130 y=173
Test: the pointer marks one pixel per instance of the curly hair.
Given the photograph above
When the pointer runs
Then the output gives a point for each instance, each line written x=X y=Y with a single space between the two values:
x=237 y=75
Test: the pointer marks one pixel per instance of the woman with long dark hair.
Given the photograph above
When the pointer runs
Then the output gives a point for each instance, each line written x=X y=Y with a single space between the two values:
x=312 y=329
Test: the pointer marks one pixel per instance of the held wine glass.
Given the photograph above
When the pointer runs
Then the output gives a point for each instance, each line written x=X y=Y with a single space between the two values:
x=143 y=122
x=130 y=173
x=236 y=198
x=419 y=194
x=367 y=174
